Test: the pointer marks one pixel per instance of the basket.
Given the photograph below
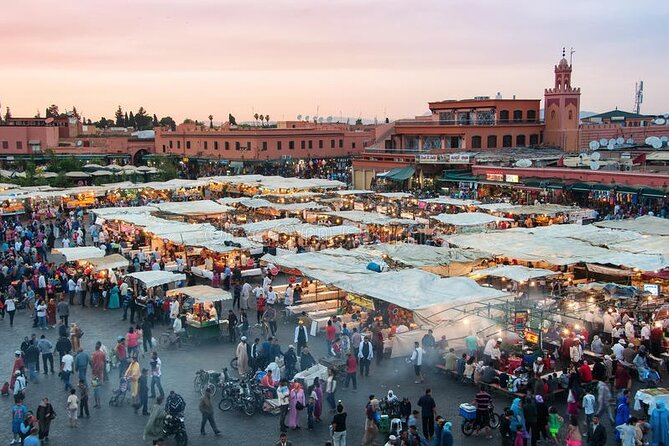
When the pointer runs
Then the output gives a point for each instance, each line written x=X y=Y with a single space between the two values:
x=468 y=411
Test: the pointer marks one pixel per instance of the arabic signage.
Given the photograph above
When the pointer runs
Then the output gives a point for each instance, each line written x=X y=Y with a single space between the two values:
x=494 y=177
x=444 y=158
x=360 y=301
x=532 y=337
x=520 y=320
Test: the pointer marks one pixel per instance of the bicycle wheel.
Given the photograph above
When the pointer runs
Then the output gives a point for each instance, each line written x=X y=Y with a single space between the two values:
x=234 y=363
x=467 y=428
x=225 y=404
x=494 y=420
x=198 y=383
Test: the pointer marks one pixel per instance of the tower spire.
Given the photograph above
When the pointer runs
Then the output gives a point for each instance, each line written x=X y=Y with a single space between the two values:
x=563 y=52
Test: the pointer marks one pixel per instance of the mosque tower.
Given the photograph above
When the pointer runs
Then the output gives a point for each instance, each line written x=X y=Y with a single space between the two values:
x=562 y=105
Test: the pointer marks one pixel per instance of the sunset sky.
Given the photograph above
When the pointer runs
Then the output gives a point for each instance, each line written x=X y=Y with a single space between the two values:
x=375 y=58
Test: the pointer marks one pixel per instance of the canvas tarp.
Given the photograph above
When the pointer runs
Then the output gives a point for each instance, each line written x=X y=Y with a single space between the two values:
x=370 y=218
x=417 y=256
x=203 y=293
x=79 y=253
x=268 y=225
x=199 y=207
x=514 y=272
x=646 y=224
x=156 y=278
x=452 y=201
x=321 y=266
x=108 y=262
x=468 y=219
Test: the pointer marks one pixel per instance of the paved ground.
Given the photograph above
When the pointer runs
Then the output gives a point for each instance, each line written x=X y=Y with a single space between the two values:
x=123 y=427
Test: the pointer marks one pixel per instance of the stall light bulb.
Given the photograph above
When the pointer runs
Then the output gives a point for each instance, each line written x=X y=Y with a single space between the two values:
x=565 y=331
x=577 y=327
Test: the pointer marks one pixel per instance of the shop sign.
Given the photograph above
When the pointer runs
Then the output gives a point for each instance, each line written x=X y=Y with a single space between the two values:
x=407 y=215
x=458 y=158
x=512 y=178
x=359 y=206
x=520 y=320
x=427 y=159
x=532 y=337
x=494 y=177
x=360 y=301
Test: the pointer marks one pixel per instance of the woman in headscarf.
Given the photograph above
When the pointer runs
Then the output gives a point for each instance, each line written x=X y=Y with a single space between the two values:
x=622 y=412
x=392 y=398
x=51 y=313
x=518 y=418
x=296 y=396
x=372 y=417
x=75 y=336
x=659 y=423
x=318 y=407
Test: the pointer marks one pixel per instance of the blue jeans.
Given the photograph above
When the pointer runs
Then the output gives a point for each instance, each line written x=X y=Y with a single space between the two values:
x=66 y=380
x=329 y=397
x=82 y=373
x=32 y=368
x=42 y=322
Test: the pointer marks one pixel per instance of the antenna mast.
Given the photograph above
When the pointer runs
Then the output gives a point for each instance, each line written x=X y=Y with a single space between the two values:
x=638 y=97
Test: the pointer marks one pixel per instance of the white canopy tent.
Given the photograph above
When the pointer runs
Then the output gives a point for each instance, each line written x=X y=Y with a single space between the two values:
x=268 y=225
x=497 y=207
x=395 y=195
x=79 y=253
x=451 y=201
x=199 y=207
x=646 y=224
x=203 y=293
x=155 y=278
x=108 y=262
x=518 y=273
x=321 y=266
x=371 y=218
x=468 y=219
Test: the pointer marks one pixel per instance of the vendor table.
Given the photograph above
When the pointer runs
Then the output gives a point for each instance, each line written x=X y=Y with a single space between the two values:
x=314 y=306
x=306 y=377
x=650 y=397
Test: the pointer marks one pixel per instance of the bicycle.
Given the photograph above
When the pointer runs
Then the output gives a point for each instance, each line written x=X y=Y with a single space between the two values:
x=204 y=380
x=468 y=414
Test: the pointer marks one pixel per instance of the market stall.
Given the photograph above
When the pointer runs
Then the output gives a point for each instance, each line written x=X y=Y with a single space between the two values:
x=79 y=253
x=203 y=307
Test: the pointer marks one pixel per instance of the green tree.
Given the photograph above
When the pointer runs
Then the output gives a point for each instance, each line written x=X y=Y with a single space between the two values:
x=8 y=114
x=103 y=123
x=387 y=121
x=75 y=113
x=167 y=121
x=188 y=121
x=155 y=120
x=126 y=120
x=142 y=119
x=131 y=120
x=358 y=121
x=120 y=122
x=167 y=169
x=52 y=111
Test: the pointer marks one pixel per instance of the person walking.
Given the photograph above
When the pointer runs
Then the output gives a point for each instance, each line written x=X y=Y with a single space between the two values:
x=10 y=308
x=283 y=394
x=242 y=357
x=351 y=371
x=83 y=399
x=72 y=408
x=428 y=411
x=46 y=349
x=417 y=361
x=98 y=362
x=66 y=367
x=143 y=392
x=338 y=426
x=296 y=404
x=330 y=388
x=19 y=412
x=81 y=362
x=156 y=374
x=45 y=415
x=301 y=336
x=596 y=433
x=365 y=356
x=232 y=326
x=154 y=425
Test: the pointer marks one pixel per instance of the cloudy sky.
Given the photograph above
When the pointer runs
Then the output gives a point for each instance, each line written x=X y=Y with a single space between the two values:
x=375 y=58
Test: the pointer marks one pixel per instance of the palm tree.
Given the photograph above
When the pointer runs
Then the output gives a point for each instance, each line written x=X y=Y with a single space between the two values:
x=211 y=121
x=267 y=119
x=262 y=118
x=256 y=116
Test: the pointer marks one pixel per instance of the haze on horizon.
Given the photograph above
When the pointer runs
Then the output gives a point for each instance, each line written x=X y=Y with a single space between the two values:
x=373 y=58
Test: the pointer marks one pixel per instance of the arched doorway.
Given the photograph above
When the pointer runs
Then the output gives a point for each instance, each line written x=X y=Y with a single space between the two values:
x=138 y=157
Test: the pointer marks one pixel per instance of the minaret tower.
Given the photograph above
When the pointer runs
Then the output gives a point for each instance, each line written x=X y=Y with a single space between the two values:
x=562 y=105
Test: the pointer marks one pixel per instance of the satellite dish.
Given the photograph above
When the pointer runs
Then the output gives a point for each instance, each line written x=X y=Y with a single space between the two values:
x=620 y=140
x=630 y=140
x=611 y=146
x=664 y=139
x=665 y=116
x=603 y=142
x=660 y=121
x=612 y=141
x=79 y=143
x=649 y=140
x=594 y=165
x=594 y=145
x=523 y=163
x=595 y=156
x=654 y=142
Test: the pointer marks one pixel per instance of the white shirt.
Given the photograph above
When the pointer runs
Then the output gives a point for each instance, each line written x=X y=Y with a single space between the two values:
x=288 y=297
x=156 y=266
x=489 y=346
x=177 y=326
x=645 y=332
x=618 y=350
x=174 y=309
x=589 y=404
x=41 y=310
x=271 y=297
x=41 y=281
x=9 y=305
x=284 y=395
x=67 y=362
x=157 y=371
x=417 y=356
x=71 y=285
x=258 y=292
x=266 y=282
x=330 y=385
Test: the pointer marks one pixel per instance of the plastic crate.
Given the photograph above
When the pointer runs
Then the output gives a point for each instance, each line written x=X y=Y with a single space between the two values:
x=468 y=411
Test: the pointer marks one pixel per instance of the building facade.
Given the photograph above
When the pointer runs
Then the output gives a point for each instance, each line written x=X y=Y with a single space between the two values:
x=562 y=107
x=288 y=140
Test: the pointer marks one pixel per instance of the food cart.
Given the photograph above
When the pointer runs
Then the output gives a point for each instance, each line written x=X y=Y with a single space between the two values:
x=203 y=305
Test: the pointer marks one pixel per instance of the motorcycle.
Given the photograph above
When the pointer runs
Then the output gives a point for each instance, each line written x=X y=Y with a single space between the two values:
x=237 y=395
x=469 y=419
x=175 y=425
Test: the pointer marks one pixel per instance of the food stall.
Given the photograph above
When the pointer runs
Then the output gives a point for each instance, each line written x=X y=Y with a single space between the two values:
x=203 y=307
x=149 y=280
x=79 y=253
